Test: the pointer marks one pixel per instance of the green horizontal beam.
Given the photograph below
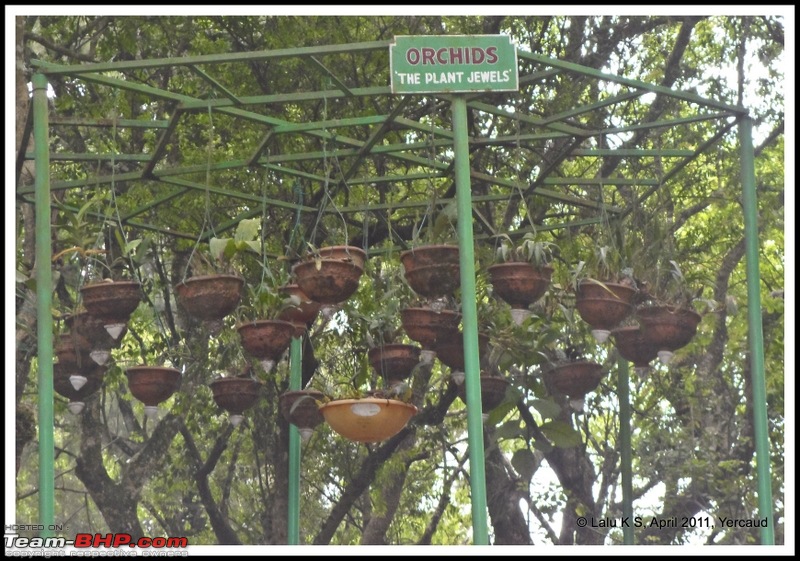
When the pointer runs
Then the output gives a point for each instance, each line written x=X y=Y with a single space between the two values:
x=561 y=197
x=329 y=124
x=237 y=194
x=666 y=124
x=583 y=109
x=632 y=153
x=254 y=56
x=279 y=99
x=591 y=72
x=72 y=157
x=119 y=123
x=598 y=181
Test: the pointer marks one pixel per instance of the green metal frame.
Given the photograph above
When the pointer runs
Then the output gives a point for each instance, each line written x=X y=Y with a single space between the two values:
x=358 y=141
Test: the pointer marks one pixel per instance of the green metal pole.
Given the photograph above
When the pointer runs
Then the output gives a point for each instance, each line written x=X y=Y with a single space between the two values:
x=756 y=338
x=626 y=462
x=469 y=311
x=44 y=296
x=295 y=379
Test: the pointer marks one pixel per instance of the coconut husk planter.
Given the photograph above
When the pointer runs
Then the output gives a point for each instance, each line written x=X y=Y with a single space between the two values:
x=209 y=297
x=426 y=325
x=493 y=392
x=668 y=328
x=266 y=339
x=394 y=361
x=300 y=407
x=603 y=305
x=633 y=347
x=432 y=270
x=152 y=385
x=235 y=395
x=519 y=284
x=575 y=380
x=333 y=276
x=113 y=302
x=303 y=314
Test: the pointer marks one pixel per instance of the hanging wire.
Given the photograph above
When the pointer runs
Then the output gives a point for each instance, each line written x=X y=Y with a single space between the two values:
x=518 y=164
x=327 y=167
x=207 y=211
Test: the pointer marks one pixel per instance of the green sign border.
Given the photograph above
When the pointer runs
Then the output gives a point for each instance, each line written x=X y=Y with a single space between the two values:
x=435 y=73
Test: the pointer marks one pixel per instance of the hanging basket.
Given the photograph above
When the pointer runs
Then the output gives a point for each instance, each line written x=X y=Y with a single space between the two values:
x=111 y=302
x=432 y=270
x=235 y=395
x=668 y=328
x=266 y=339
x=369 y=419
x=334 y=276
x=426 y=325
x=210 y=297
x=300 y=408
x=153 y=384
x=450 y=348
x=633 y=347
x=576 y=379
x=519 y=284
x=394 y=361
x=90 y=332
x=603 y=305
x=65 y=385
x=303 y=314
x=493 y=392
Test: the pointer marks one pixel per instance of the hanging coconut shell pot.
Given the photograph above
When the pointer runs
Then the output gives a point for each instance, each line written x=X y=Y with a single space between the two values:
x=113 y=302
x=603 y=305
x=235 y=395
x=493 y=392
x=94 y=333
x=575 y=380
x=432 y=270
x=300 y=407
x=668 y=328
x=152 y=385
x=633 y=347
x=394 y=361
x=450 y=350
x=77 y=386
x=332 y=276
x=426 y=325
x=369 y=419
x=301 y=315
x=266 y=339
x=519 y=284
x=209 y=297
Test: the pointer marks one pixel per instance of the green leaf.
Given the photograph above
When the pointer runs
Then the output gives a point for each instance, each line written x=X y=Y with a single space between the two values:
x=561 y=434
x=548 y=409
x=247 y=230
x=525 y=463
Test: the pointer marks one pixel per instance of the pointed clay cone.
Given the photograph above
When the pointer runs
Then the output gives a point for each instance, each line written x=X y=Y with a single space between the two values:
x=458 y=376
x=77 y=381
x=151 y=411
x=100 y=356
x=115 y=329
x=236 y=419
x=577 y=404
x=305 y=434
x=601 y=335
x=76 y=407
x=519 y=315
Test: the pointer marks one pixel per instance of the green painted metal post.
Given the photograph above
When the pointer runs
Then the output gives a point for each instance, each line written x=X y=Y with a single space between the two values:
x=44 y=297
x=295 y=379
x=469 y=311
x=626 y=462
x=756 y=336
